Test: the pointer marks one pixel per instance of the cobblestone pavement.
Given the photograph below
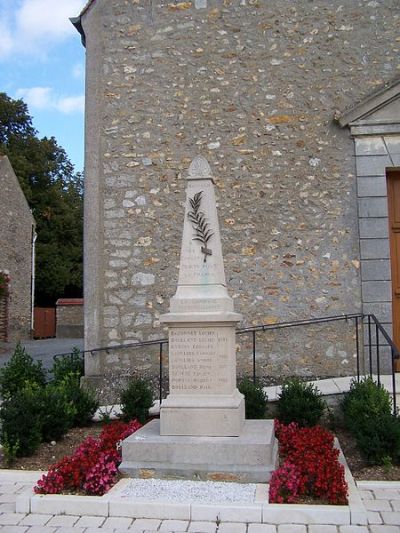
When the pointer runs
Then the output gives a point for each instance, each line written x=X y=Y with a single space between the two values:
x=382 y=504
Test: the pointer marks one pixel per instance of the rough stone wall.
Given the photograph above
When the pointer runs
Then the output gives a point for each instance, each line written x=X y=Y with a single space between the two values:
x=69 y=318
x=254 y=88
x=17 y=225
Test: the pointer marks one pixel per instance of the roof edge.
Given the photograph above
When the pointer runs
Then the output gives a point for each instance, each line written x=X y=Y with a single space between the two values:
x=375 y=101
x=77 y=21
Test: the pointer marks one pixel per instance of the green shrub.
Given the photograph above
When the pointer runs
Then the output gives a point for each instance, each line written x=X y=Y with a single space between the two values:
x=57 y=412
x=255 y=399
x=378 y=439
x=20 y=370
x=21 y=420
x=365 y=399
x=367 y=414
x=136 y=400
x=84 y=401
x=300 y=402
x=68 y=364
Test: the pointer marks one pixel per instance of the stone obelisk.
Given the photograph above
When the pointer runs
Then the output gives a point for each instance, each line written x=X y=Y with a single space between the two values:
x=202 y=432
x=203 y=398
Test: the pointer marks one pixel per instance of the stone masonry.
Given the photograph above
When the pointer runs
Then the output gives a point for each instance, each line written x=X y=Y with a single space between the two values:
x=16 y=237
x=255 y=87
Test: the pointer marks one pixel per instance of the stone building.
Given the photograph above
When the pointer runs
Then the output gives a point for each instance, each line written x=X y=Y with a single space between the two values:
x=277 y=96
x=17 y=239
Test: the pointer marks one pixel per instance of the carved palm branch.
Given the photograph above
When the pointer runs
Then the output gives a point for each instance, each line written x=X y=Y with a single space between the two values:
x=200 y=225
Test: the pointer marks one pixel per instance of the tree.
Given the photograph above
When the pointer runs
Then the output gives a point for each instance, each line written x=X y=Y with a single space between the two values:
x=54 y=193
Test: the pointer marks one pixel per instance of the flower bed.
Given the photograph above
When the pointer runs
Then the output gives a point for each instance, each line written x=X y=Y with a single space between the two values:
x=93 y=467
x=310 y=466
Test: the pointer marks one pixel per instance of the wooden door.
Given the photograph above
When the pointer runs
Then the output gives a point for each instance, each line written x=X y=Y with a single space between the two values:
x=393 y=183
x=44 y=322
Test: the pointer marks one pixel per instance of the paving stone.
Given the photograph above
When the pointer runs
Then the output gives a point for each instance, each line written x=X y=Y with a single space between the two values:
x=90 y=521
x=142 y=524
x=395 y=505
x=292 y=528
x=391 y=518
x=202 y=527
x=374 y=517
x=261 y=528
x=114 y=522
x=42 y=529
x=377 y=505
x=14 y=529
x=174 y=525
x=353 y=529
x=63 y=520
x=387 y=494
x=384 y=529
x=322 y=529
x=71 y=529
x=7 y=498
x=7 y=507
x=35 y=520
x=232 y=527
x=102 y=530
x=11 y=519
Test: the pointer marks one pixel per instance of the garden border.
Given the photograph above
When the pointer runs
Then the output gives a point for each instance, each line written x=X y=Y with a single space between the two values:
x=113 y=504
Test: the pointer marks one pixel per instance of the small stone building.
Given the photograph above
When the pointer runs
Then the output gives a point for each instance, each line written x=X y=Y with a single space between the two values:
x=296 y=107
x=69 y=318
x=17 y=238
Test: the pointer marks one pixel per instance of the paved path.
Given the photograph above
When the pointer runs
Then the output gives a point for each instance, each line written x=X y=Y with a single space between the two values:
x=383 y=505
x=43 y=349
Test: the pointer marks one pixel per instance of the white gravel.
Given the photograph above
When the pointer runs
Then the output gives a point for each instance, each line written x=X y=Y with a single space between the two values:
x=183 y=491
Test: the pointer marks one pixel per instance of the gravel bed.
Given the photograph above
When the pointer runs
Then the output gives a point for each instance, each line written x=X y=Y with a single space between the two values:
x=183 y=491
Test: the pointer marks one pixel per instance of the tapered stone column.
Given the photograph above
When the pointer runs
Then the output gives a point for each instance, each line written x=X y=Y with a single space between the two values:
x=202 y=432
x=203 y=398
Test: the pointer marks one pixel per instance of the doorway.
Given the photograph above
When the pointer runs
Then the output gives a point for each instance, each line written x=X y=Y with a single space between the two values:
x=393 y=190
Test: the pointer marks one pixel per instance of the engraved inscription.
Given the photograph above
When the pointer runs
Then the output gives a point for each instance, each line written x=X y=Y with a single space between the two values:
x=199 y=361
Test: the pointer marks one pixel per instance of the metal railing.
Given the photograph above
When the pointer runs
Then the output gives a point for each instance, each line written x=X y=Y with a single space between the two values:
x=370 y=340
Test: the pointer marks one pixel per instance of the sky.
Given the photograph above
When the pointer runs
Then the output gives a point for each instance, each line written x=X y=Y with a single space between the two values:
x=42 y=61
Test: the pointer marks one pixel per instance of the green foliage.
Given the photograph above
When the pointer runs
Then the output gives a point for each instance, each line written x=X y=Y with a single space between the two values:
x=10 y=450
x=378 y=439
x=54 y=193
x=20 y=370
x=21 y=420
x=365 y=399
x=136 y=400
x=255 y=399
x=367 y=413
x=300 y=402
x=57 y=412
x=68 y=364
x=84 y=401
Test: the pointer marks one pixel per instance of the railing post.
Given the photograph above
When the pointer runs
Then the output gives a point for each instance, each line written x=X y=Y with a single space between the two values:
x=394 y=385
x=254 y=357
x=378 y=365
x=357 y=350
x=161 y=369
x=369 y=345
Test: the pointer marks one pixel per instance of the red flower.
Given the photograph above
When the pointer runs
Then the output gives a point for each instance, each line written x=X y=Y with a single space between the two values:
x=93 y=466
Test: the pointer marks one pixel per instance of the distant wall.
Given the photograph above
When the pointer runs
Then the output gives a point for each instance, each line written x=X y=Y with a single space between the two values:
x=16 y=234
x=69 y=318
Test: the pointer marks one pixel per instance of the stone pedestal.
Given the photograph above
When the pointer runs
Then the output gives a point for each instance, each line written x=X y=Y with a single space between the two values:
x=249 y=458
x=203 y=397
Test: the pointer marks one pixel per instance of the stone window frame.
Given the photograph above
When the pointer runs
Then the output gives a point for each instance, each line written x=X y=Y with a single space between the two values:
x=375 y=128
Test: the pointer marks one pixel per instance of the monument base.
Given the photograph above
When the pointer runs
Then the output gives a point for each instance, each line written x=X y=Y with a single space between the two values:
x=205 y=416
x=249 y=458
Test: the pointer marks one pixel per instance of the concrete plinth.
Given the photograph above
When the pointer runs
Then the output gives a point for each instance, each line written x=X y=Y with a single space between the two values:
x=207 y=416
x=250 y=457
